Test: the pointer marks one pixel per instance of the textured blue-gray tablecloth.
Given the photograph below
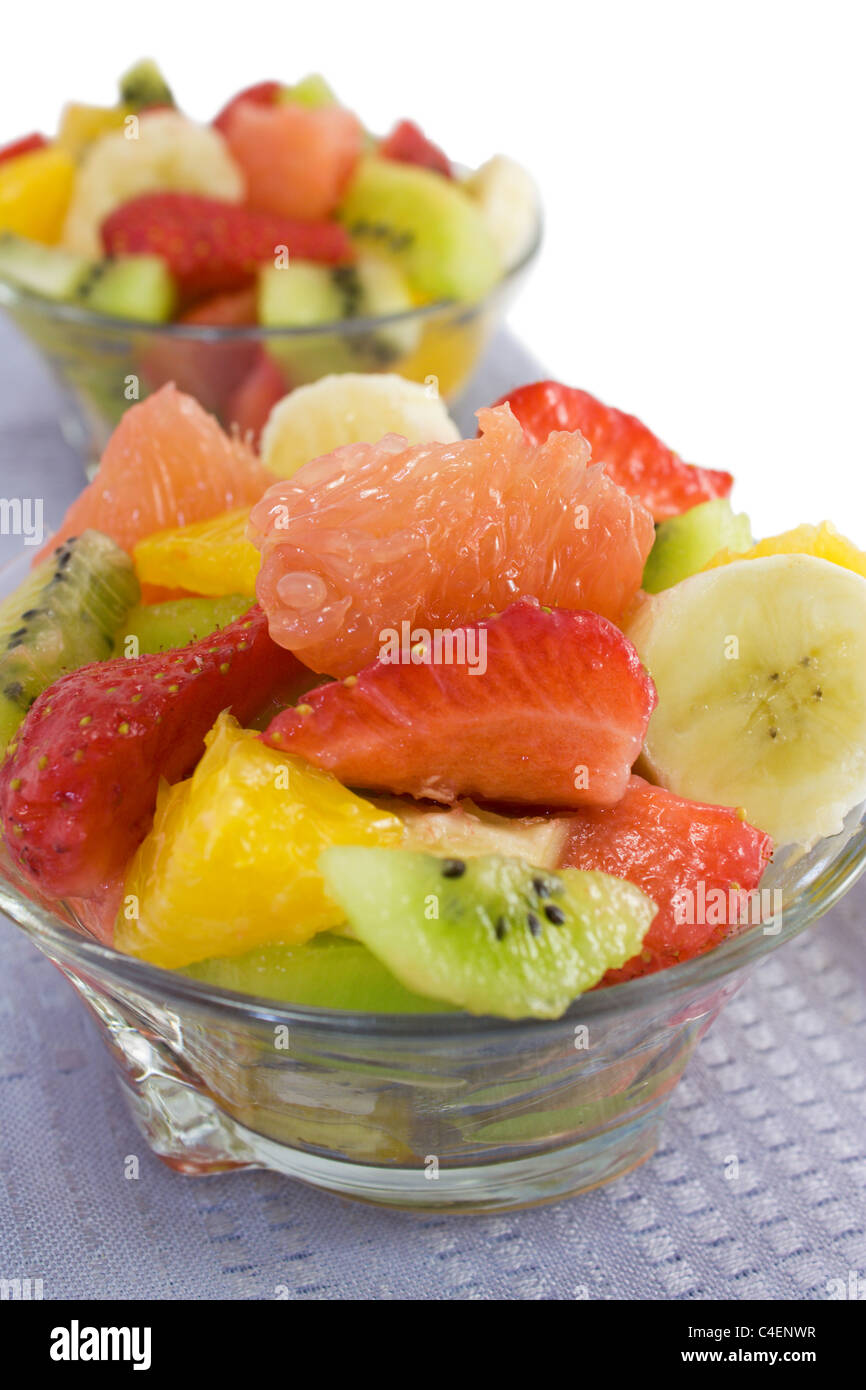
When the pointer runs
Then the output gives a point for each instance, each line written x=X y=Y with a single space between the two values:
x=779 y=1084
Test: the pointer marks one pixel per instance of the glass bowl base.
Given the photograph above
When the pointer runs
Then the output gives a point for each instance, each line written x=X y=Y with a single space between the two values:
x=189 y=1132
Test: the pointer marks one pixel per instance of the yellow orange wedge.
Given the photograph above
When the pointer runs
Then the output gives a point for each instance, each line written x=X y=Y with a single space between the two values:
x=81 y=124
x=35 y=190
x=823 y=541
x=211 y=557
x=232 y=860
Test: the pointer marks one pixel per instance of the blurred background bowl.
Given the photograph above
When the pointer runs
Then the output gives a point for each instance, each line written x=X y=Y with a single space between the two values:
x=239 y=373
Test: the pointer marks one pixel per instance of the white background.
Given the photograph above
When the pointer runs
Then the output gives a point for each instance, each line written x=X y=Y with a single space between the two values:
x=702 y=167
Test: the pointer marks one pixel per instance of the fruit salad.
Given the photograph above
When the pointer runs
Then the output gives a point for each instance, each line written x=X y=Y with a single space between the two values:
x=390 y=720
x=283 y=212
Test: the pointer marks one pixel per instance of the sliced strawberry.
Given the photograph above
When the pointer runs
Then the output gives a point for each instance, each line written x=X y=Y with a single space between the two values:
x=633 y=456
x=27 y=144
x=78 y=786
x=548 y=706
x=670 y=847
x=255 y=398
x=260 y=94
x=408 y=144
x=212 y=246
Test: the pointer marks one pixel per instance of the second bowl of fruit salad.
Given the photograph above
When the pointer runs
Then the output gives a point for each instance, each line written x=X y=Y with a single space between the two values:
x=244 y=257
x=421 y=876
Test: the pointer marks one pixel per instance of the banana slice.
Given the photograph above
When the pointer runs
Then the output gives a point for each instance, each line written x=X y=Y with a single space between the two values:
x=170 y=153
x=508 y=199
x=351 y=408
x=760 y=668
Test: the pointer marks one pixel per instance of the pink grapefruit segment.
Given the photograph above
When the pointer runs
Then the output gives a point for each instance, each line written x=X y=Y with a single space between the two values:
x=680 y=853
x=536 y=706
x=296 y=160
x=167 y=464
x=373 y=535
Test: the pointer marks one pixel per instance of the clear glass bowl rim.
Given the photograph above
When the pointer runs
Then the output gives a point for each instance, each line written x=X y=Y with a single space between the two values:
x=11 y=296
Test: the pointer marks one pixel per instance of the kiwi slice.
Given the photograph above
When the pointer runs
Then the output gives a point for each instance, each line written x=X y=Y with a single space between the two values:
x=329 y=972
x=161 y=627
x=429 y=224
x=139 y=288
x=143 y=85
x=64 y=615
x=299 y=295
x=45 y=270
x=305 y=294
x=312 y=91
x=494 y=934
x=685 y=544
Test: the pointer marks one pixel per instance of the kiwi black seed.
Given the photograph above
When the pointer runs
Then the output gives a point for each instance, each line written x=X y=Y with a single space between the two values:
x=387 y=236
x=453 y=868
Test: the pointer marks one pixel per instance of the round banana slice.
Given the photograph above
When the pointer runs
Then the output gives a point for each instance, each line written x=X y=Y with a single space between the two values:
x=508 y=200
x=164 y=151
x=351 y=408
x=760 y=668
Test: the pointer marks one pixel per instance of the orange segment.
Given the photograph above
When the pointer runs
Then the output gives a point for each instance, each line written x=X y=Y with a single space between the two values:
x=823 y=541
x=81 y=124
x=34 y=193
x=167 y=464
x=231 y=861
x=210 y=557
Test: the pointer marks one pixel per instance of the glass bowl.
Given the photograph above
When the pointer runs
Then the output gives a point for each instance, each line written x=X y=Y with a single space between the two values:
x=430 y=1111
x=107 y=364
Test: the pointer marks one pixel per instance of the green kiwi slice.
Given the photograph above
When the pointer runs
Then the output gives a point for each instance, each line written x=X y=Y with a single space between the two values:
x=428 y=223
x=685 y=544
x=305 y=294
x=493 y=934
x=329 y=972
x=64 y=615
x=143 y=85
x=161 y=627
x=138 y=288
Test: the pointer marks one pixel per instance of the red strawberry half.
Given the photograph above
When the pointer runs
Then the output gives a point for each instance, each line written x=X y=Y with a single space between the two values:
x=27 y=144
x=408 y=144
x=78 y=786
x=633 y=456
x=680 y=853
x=212 y=246
x=547 y=706
x=260 y=94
